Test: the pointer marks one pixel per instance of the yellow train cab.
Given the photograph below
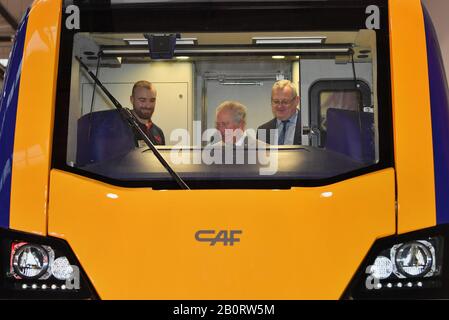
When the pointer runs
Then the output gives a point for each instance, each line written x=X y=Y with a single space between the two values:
x=230 y=150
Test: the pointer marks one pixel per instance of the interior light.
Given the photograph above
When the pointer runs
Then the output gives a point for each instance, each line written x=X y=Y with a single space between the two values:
x=187 y=41
x=143 y=42
x=278 y=57
x=289 y=40
x=136 y=42
x=183 y=58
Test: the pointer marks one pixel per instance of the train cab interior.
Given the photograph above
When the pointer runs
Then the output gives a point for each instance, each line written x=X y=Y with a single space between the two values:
x=335 y=74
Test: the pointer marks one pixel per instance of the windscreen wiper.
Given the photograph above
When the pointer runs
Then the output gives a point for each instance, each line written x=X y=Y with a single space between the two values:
x=132 y=121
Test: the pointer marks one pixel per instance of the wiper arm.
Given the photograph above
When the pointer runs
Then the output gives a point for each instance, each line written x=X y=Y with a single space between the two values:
x=133 y=123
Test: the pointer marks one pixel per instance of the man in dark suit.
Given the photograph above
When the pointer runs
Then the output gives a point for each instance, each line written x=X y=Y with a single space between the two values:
x=285 y=128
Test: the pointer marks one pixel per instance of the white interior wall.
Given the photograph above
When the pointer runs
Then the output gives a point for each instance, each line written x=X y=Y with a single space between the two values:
x=173 y=82
x=255 y=95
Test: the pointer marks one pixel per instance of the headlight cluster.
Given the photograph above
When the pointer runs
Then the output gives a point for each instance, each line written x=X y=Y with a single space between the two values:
x=35 y=262
x=408 y=266
x=34 y=267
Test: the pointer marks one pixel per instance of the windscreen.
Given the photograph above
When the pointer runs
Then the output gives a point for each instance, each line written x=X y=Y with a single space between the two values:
x=255 y=105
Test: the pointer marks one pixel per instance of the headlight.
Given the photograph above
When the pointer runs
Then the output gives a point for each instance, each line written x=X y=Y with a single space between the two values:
x=410 y=260
x=382 y=268
x=406 y=266
x=30 y=261
x=33 y=267
x=414 y=259
x=61 y=269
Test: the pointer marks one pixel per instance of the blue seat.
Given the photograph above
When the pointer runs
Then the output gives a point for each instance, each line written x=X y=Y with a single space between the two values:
x=102 y=136
x=351 y=133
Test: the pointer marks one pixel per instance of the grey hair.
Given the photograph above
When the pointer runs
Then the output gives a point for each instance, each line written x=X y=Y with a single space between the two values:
x=285 y=83
x=238 y=110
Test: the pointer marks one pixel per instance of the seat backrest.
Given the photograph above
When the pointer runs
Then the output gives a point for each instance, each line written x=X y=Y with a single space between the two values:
x=351 y=133
x=101 y=136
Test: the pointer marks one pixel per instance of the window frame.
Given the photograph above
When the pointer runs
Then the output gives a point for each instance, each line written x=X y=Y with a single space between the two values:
x=226 y=17
x=333 y=85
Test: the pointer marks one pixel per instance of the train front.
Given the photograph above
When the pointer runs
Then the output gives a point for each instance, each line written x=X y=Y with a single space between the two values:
x=220 y=150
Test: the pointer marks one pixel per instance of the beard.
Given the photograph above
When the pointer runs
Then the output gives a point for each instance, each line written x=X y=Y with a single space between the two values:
x=144 y=114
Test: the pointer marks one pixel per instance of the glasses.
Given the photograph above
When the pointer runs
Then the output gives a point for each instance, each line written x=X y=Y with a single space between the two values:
x=282 y=102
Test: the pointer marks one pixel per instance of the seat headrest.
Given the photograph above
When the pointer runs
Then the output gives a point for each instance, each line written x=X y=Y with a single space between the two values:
x=351 y=133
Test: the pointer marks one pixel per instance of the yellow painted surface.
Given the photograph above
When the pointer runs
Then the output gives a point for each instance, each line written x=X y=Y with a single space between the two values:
x=296 y=244
x=412 y=117
x=32 y=144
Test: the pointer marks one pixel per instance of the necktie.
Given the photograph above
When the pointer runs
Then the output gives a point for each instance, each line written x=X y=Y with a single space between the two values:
x=283 y=132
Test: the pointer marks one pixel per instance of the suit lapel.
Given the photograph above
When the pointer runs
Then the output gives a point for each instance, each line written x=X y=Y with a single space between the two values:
x=298 y=134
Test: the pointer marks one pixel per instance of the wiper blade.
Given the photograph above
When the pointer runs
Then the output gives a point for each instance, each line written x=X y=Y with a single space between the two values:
x=132 y=121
